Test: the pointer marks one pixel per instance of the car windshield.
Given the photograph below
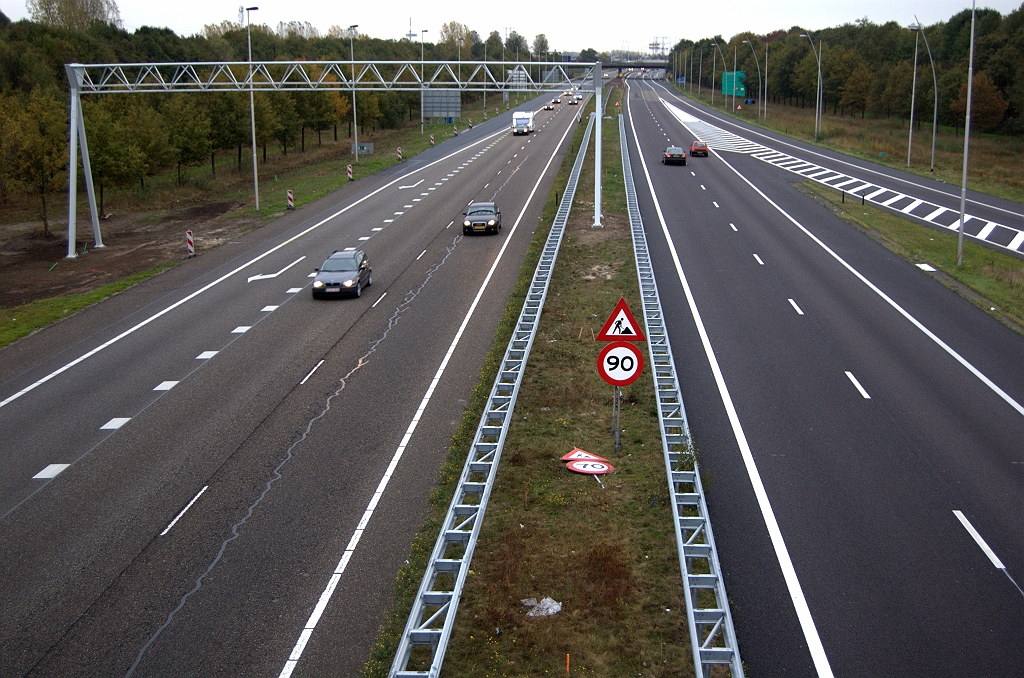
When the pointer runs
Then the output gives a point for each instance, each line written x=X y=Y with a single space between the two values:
x=340 y=264
x=479 y=210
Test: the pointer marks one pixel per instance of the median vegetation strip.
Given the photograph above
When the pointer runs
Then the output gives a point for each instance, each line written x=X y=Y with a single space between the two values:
x=604 y=550
x=990 y=279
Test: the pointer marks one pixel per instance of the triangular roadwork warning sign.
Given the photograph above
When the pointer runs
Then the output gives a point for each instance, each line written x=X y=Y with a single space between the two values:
x=621 y=326
x=582 y=455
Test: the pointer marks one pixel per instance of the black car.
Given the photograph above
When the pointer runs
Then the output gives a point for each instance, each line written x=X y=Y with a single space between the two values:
x=481 y=217
x=674 y=156
x=343 y=273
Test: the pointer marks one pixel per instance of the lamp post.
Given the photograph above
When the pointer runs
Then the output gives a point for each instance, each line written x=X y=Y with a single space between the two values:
x=700 y=70
x=817 y=95
x=734 y=55
x=758 y=65
x=421 y=79
x=352 y=59
x=913 y=98
x=252 y=109
x=967 y=141
x=766 y=81
x=714 y=67
x=935 y=87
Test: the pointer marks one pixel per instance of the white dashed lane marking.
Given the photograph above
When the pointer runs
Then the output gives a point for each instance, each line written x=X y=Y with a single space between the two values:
x=758 y=260
x=166 y=385
x=795 y=307
x=206 y=355
x=859 y=387
x=268 y=309
x=241 y=329
x=115 y=423
x=50 y=471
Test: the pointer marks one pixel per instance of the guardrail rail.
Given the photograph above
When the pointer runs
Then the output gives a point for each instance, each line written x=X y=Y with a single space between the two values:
x=433 y=612
x=712 y=635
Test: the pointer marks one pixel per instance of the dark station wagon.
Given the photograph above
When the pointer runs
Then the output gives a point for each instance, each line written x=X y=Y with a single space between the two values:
x=674 y=156
x=343 y=273
x=481 y=217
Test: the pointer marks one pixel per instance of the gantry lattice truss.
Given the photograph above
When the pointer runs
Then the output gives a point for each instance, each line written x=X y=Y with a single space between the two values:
x=298 y=76
x=293 y=76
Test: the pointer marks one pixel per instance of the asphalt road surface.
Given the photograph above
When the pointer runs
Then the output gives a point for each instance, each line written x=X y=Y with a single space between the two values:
x=302 y=436
x=859 y=424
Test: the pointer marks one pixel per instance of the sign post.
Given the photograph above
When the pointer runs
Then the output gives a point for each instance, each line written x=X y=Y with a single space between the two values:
x=620 y=363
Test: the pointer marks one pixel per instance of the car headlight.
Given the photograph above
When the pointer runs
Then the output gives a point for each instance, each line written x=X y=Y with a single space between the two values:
x=317 y=284
x=466 y=223
x=349 y=283
x=492 y=222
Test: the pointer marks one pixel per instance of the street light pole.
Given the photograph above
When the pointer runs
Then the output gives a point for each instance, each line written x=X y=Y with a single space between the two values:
x=714 y=67
x=425 y=30
x=758 y=65
x=913 y=97
x=766 y=81
x=252 y=109
x=817 y=93
x=935 y=90
x=352 y=59
x=700 y=70
x=967 y=141
x=735 y=50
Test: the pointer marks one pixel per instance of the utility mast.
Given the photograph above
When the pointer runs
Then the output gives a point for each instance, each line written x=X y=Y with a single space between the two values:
x=410 y=34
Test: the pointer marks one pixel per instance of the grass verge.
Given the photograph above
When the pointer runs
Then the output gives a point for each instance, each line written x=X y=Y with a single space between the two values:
x=606 y=552
x=21 y=321
x=990 y=279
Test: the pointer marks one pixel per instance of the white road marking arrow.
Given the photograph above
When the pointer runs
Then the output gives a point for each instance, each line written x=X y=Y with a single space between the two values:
x=266 y=276
x=413 y=186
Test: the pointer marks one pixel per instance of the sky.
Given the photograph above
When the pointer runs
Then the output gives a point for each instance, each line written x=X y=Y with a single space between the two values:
x=569 y=26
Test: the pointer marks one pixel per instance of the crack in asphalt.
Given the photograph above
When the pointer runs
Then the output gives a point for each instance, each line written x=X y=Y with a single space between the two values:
x=364 y=360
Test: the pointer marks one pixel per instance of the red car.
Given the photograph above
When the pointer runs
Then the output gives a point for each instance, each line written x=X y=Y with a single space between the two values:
x=699 y=148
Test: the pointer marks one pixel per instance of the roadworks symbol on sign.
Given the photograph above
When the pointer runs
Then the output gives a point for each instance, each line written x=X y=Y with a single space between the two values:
x=582 y=455
x=621 y=325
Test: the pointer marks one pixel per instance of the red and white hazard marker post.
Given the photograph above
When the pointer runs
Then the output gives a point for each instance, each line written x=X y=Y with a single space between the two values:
x=190 y=244
x=431 y=139
x=399 y=152
x=348 y=169
x=620 y=363
x=291 y=200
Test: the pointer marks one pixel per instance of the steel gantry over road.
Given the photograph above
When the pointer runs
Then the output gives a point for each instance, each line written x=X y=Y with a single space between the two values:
x=309 y=76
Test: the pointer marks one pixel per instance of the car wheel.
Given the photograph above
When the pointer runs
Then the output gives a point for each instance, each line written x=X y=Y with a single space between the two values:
x=369 y=281
x=359 y=290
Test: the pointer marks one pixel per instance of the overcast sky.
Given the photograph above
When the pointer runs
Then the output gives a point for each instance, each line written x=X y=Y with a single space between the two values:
x=568 y=26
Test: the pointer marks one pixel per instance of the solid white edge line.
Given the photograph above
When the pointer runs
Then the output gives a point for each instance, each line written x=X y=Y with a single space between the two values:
x=187 y=507
x=803 y=612
x=977 y=538
x=325 y=597
x=857 y=384
x=306 y=378
x=928 y=333
x=229 y=274
x=795 y=307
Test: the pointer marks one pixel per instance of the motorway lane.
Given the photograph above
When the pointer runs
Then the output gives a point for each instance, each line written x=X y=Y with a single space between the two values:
x=229 y=424
x=980 y=205
x=863 y=489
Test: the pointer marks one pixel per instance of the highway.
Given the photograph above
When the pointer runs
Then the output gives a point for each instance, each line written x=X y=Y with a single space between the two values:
x=858 y=424
x=241 y=468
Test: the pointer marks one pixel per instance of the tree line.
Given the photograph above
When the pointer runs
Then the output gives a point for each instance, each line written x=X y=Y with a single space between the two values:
x=867 y=69
x=134 y=137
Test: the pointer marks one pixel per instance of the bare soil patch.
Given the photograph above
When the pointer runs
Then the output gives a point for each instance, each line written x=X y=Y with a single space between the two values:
x=34 y=266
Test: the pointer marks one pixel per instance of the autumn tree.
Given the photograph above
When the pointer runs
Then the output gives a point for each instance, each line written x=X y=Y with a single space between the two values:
x=74 y=15
x=115 y=158
x=516 y=44
x=540 y=44
x=188 y=131
x=857 y=90
x=11 y=141
x=44 y=154
x=287 y=118
x=988 y=105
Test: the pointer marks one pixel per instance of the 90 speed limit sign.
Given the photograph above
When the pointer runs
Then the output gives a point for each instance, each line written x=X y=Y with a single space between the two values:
x=620 y=363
